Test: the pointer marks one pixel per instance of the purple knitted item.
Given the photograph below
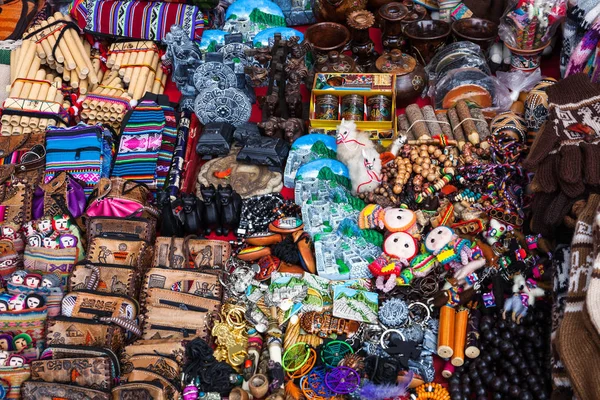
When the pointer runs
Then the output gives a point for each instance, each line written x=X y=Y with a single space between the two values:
x=584 y=50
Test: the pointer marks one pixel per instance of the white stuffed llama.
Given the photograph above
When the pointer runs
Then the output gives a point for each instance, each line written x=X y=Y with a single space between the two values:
x=358 y=153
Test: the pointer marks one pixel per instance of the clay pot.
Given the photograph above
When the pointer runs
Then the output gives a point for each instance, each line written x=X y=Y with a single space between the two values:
x=238 y=394
x=411 y=78
x=476 y=30
x=325 y=37
x=525 y=60
x=336 y=10
x=391 y=16
x=416 y=12
x=336 y=62
x=259 y=386
x=426 y=37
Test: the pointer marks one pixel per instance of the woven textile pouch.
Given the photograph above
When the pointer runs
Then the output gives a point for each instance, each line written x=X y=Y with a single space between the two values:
x=137 y=19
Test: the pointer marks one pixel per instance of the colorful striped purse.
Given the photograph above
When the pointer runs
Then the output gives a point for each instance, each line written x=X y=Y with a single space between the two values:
x=83 y=151
x=147 y=145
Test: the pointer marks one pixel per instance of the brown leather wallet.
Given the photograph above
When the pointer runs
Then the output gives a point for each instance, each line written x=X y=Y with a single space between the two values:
x=143 y=228
x=84 y=332
x=182 y=280
x=93 y=373
x=33 y=390
x=190 y=252
x=105 y=278
x=165 y=366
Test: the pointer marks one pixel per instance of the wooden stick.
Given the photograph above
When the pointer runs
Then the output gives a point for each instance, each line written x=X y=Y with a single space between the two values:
x=140 y=81
x=163 y=83
x=460 y=337
x=24 y=51
x=118 y=61
x=6 y=130
x=83 y=86
x=34 y=94
x=66 y=46
x=126 y=61
x=39 y=49
x=74 y=79
x=157 y=81
x=446 y=332
x=30 y=63
x=152 y=75
x=472 y=342
x=67 y=75
x=14 y=56
x=45 y=44
x=25 y=88
x=60 y=57
x=134 y=71
x=42 y=95
x=112 y=57
x=85 y=52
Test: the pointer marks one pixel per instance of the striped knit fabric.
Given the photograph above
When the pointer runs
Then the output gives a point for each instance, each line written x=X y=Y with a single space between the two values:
x=578 y=349
x=561 y=264
x=584 y=50
x=78 y=150
x=141 y=141
x=167 y=149
x=15 y=377
x=31 y=322
x=55 y=261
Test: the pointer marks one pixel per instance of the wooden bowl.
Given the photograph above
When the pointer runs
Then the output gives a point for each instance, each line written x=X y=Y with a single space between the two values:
x=476 y=30
x=426 y=37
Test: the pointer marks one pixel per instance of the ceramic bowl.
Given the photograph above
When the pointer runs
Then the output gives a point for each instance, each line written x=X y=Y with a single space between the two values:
x=327 y=36
x=476 y=30
x=426 y=37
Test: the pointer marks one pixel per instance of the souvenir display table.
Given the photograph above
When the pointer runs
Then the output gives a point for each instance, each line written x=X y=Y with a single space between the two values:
x=285 y=200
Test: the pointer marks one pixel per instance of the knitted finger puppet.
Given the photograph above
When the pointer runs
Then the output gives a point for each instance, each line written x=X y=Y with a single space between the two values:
x=17 y=302
x=44 y=226
x=63 y=229
x=449 y=249
x=524 y=294
x=18 y=277
x=496 y=230
x=398 y=249
x=50 y=281
x=8 y=232
x=374 y=216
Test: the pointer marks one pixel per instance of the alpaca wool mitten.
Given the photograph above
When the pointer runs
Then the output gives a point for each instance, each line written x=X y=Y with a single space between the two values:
x=578 y=349
x=548 y=211
x=567 y=152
